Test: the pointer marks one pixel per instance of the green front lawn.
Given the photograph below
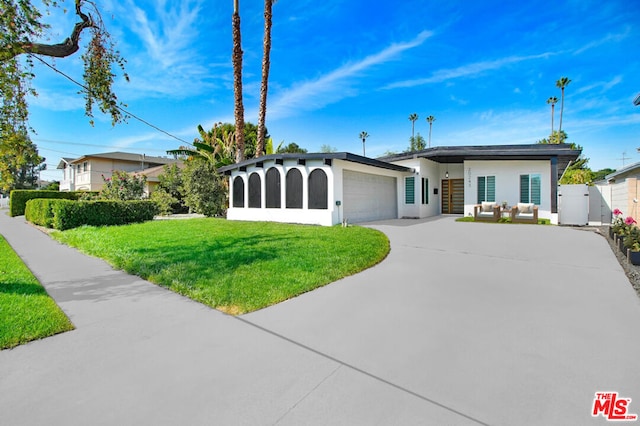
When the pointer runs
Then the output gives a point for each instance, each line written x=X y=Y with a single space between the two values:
x=26 y=310
x=236 y=267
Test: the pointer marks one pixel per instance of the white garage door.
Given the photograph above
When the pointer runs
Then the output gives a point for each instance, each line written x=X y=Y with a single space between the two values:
x=369 y=197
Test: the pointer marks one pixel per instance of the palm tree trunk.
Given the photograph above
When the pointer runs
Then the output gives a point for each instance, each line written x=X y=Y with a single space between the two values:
x=262 y=113
x=552 y=114
x=430 y=124
x=561 y=113
x=238 y=109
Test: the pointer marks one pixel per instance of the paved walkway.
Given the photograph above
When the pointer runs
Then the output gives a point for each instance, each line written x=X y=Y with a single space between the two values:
x=462 y=324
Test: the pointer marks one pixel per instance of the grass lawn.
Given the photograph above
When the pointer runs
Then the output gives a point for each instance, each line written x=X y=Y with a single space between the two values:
x=236 y=267
x=26 y=310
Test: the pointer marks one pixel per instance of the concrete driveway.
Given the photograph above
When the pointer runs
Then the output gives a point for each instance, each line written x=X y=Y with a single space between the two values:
x=506 y=324
x=462 y=324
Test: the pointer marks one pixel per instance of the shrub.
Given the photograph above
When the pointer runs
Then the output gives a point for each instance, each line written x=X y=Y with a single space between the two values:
x=19 y=197
x=205 y=189
x=123 y=186
x=164 y=201
x=40 y=211
x=71 y=214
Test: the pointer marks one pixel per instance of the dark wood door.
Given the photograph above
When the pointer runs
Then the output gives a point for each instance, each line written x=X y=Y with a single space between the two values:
x=452 y=196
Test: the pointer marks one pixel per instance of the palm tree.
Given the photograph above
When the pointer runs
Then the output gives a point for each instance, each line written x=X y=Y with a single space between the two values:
x=215 y=147
x=238 y=109
x=363 y=135
x=268 y=18
x=552 y=100
x=562 y=83
x=413 y=118
x=430 y=120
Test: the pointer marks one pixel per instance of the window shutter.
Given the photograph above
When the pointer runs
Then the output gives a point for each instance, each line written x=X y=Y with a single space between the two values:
x=524 y=188
x=481 y=189
x=409 y=190
x=491 y=188
x=535 y=189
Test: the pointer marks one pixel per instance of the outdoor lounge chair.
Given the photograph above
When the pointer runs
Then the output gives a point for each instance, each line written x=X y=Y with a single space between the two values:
x=488 y=211
x=524 y=213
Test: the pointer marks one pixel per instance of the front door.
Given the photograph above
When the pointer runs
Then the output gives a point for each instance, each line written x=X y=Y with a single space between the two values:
x=453 y=196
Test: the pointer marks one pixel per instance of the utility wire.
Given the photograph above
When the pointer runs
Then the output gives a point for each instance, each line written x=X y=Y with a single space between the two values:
x=128 y=113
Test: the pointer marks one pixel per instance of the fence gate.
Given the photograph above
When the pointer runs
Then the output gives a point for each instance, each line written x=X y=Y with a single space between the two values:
x=573 y=205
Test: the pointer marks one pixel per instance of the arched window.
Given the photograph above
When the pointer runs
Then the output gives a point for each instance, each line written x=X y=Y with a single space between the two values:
x=255 y=191
x=294 y=189
x=238 y=192
x=273 y=188
x=318 y=193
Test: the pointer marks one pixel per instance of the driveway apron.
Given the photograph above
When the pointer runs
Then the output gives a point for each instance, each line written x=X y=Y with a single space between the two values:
x=462 y=324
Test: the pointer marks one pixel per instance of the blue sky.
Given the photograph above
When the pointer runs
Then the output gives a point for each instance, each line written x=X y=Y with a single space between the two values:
x=484 y=69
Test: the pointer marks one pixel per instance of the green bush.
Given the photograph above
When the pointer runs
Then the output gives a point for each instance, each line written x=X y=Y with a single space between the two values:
x=71 y=214
x=19 y=197
x=40 y=211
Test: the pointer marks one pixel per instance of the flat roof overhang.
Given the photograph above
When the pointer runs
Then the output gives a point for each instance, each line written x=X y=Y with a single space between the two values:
x=325 y=157
x=458 y=154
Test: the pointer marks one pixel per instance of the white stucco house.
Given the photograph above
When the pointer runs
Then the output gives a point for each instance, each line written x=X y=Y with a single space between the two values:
x=327 y=188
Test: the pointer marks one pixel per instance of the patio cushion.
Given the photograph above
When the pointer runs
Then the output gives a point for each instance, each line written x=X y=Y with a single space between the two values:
x=487 y=207
x=525 y=208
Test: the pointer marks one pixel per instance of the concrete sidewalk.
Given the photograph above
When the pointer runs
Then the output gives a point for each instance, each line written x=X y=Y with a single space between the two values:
x=461 y=324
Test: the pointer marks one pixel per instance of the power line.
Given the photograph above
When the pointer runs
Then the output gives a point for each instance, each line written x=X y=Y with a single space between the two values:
x=128 y=113
x=87 y=144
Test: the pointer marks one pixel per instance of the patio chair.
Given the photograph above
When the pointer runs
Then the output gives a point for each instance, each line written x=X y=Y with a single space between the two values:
x=524 y=213
x=487 y=211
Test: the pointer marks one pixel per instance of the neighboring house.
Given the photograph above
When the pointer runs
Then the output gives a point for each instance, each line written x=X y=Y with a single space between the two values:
x=327 y=188
x=619 y=190
x=87 y=173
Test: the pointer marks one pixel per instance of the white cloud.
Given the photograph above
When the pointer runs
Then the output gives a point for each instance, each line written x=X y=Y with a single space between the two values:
x=603 y=85
x=604 y=40
x=469 y=70
x=332 y=87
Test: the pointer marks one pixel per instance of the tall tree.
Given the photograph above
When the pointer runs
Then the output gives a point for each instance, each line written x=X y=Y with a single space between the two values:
x=552 y=101
x=20 y=162
x=430 y=120
x=413 y=118
x=363 y=135
x=561 y=84
x=238 y=109
x=262 y=113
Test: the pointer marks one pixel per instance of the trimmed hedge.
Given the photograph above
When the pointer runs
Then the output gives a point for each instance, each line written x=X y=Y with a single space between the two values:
x=67 y=214
x=18 y=198
x=40 y=211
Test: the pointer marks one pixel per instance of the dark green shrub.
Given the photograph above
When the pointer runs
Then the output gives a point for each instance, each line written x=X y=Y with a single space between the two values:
x=71 y=214
x=19 y=197
x=40 y=211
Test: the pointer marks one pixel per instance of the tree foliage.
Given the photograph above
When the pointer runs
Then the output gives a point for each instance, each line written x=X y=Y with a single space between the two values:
x=576 y=172
x=218 y=145
x=20 y=162
x=21 y=29
x=291 y=148
x=204 y=189
x=416 y=143
x=328 y=148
